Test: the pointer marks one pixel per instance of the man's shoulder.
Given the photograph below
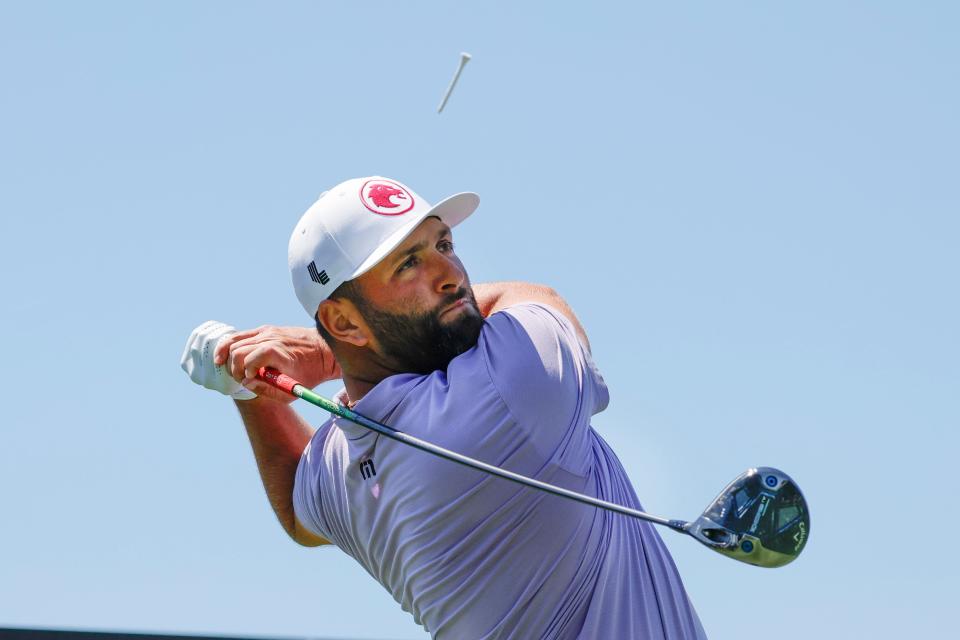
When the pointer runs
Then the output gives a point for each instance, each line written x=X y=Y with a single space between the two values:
x=531 y=331
x=536 y=314
x=539 y=365
x=321 y=437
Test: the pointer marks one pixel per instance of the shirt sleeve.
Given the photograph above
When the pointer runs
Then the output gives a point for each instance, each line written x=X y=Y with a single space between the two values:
x=307 y=496
x=544 y=374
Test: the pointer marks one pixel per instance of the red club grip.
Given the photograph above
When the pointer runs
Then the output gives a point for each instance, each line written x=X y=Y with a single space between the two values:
x=277 y=379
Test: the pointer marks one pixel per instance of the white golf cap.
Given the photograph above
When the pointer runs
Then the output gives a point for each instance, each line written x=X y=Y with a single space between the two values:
x=353 y=226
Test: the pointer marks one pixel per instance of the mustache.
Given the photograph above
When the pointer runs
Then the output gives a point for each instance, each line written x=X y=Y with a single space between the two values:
x=456 y=296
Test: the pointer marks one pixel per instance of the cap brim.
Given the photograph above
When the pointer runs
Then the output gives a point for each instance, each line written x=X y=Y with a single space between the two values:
x=452 y=211
x=456 y=208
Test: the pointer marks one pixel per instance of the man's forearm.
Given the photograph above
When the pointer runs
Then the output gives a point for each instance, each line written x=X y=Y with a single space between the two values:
x=278 y=436
x=494 y=296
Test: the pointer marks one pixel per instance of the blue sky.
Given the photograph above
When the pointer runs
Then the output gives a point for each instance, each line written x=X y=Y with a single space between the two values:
x=752 y=208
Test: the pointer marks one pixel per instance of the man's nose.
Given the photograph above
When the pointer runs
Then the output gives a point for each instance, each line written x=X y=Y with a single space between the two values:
x=450 y=274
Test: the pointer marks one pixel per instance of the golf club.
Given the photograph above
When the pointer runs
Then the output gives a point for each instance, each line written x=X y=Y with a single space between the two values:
x=760 y=518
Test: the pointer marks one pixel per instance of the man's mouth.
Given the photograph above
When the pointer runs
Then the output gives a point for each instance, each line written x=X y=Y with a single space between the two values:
x=456 y=305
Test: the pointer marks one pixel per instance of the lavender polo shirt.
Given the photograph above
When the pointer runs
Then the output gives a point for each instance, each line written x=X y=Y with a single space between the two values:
x=472 y=556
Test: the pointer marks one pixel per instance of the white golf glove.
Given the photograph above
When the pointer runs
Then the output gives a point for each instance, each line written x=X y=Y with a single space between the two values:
x=197 y=361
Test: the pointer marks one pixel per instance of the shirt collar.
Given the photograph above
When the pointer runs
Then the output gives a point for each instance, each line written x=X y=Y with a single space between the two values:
x=378 y=403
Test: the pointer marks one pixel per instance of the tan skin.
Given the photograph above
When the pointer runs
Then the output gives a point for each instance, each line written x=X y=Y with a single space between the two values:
x=417 y=276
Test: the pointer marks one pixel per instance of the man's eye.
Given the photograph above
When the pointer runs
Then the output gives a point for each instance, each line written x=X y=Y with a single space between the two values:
x=445 y=245
x=409 y=262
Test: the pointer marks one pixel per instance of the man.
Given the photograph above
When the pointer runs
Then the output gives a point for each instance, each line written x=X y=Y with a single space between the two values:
x=499 y=372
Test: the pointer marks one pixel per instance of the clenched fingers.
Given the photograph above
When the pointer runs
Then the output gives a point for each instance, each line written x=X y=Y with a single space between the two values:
x=241 y=339
x=266 y=354
x=236 y=359
x=223 y=349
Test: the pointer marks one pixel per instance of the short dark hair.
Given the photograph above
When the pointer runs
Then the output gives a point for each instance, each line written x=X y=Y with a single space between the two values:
x=349 y=290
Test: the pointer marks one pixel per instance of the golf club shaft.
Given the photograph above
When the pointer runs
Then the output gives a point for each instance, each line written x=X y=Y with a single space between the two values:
x=291 y=386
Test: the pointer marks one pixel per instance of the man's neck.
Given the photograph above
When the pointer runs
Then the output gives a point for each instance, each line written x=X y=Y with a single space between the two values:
x=356 y=389
x=360 y=380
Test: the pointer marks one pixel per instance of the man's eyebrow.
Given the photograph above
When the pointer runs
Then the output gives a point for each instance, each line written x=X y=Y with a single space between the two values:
x=420 y=246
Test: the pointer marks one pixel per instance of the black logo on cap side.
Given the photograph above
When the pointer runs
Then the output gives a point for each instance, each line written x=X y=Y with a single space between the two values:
x=320 y=277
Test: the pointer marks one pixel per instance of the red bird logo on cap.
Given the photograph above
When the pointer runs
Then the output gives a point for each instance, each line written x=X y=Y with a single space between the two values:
x=386 y=198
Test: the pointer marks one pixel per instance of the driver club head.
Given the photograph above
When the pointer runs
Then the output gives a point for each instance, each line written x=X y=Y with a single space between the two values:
x=760 y=518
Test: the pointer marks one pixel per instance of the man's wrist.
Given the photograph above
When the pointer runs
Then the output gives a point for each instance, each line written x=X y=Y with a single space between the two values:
x=261 y=404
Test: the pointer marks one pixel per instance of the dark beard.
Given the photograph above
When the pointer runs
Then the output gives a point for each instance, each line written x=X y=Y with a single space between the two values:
x=419 y=343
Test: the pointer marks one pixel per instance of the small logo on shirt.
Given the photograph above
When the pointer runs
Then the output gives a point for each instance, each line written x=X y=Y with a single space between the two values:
x=367 y=469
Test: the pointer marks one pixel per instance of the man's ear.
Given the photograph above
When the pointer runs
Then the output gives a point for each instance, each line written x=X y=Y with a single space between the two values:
x=341 y=318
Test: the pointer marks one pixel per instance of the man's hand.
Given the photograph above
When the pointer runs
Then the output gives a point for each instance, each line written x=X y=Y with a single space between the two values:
x=197 y=361
x=296 y=351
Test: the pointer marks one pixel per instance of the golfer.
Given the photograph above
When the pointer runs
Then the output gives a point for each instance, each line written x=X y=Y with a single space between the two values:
x=499 y=372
